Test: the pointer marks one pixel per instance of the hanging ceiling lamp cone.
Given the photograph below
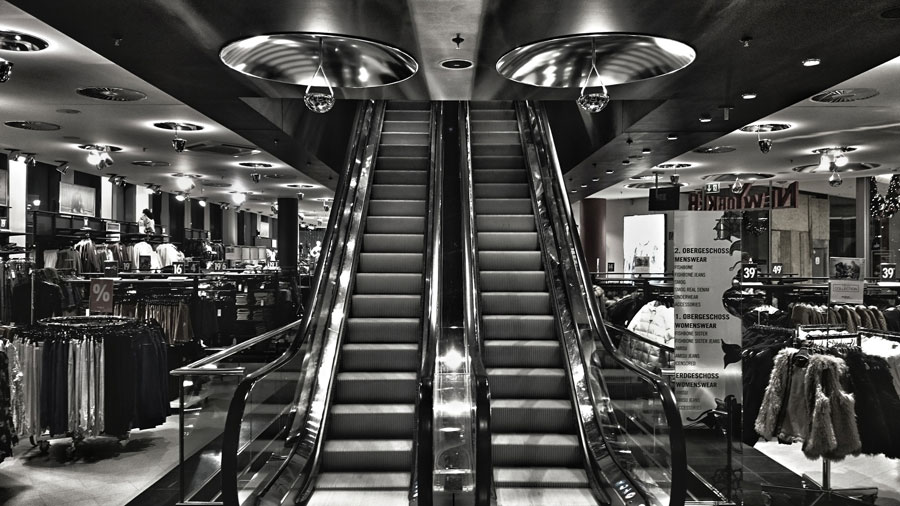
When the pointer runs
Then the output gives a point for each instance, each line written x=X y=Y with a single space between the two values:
x=598 y=100
x=316 y=101
x=834 y=179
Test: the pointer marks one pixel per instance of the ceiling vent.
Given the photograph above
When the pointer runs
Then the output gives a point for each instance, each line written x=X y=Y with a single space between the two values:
x=645 y=186
x=845 y=95
x=150 y=163
x=218 y=148
x=850 y=167
x=111 y=94
x=744 y=176
x=33 y=125
x=215 y=184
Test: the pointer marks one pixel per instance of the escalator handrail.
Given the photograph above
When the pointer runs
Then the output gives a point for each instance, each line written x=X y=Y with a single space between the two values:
x=634 y=335
x=482 y=429
x=431 y=326
x=338 y=223
x=538 y=118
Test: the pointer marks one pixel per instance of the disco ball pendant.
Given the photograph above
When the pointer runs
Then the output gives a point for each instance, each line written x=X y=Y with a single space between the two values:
x=318 y=102
x=593 y=102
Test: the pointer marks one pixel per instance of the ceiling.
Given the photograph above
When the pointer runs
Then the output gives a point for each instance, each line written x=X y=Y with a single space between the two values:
x=169 y=50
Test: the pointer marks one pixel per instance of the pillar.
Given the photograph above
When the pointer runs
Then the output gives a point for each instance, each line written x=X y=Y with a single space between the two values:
x=593 y=233
x=288 y=234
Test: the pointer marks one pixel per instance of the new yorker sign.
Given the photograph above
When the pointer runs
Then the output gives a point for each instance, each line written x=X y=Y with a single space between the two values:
x=750 y=198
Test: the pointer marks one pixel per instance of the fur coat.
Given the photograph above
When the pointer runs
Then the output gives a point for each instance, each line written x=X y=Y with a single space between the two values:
x=806 y=401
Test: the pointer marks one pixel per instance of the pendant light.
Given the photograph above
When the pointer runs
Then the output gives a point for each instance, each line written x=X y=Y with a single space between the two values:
x=598 y=100
x=316 y=101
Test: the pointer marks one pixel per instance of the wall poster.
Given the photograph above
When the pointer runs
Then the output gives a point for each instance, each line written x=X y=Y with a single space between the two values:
x=644 y=243
x=77 y=200
x=707 y=335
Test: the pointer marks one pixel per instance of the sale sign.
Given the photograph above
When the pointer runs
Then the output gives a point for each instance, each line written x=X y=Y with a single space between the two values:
x=101 y=299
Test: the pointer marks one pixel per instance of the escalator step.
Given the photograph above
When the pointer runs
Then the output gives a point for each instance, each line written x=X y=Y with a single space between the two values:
x=395 y=137
x=404 y=150
x=498 y=162
x=397 y=224
x=412 y=177
x=362 y=481
x=360 y=497
x=404 y=125
x=532 y=415
x=500 y=135
x=522 y=353
x=529 y=496
x=505 y=223
x=375 y=386
x=501 y=191
x=381 y=421
x=385 y=357
x=535 y=449
x=493 y=114
x=509 y=260
x=528 y=383
x=500 y=176
x=400 y=163
x=388 y=282
x=507 y=241
x=515 y=303
x=392 y=115
x=397 y=208
x=511 y=281
x=390 y=306
x=390 y=262
x=503 y=206
x=383 y=330
x=519 y=327
x=399 y=191
x=393 y=243
x=496 y=125
x=496 y=149
x=367 y=455
x=562 y=477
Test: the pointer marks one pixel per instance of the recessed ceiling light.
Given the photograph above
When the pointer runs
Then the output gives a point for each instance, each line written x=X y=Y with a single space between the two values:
x=705 y=118
x=646 y=151
x=714 y=150
x=187 y=175
x=100 y=147
x=673 y=166
x=595 y=179
x=672 y=137
x=743 y=176
x=584 y=186
x=71 y=137
x=178 y=125
x=573 y=191
x=626 y=161
x=150 y=163
x=766 y=127
x=456 y=64
x=748 y=96
x=33 y=125
x=811 y=62
x=255 y=165
x=609 y=171
x=111 y=94
x=21 y=42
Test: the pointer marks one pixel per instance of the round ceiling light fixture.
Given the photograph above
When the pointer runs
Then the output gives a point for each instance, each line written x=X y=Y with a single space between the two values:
x=178 y=126
x=849 y=167
x=457 y=64
x=675 y=166
x=621 y=58
x=111 y=93
x=743 y=176
x=215 y=184
x=100 y=147
x=715 y=150
x=766 y=127
x=21 y=42
x=42 y=126
x=844 y=95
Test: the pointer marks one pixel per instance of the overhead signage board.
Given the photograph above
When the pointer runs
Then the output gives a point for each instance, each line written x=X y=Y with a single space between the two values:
x=750 y=198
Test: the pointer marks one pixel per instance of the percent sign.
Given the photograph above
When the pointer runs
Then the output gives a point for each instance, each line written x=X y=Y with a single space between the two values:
x=101 y=295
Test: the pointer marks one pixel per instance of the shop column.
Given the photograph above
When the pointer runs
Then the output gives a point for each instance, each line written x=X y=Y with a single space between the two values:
x=593 y=233
x=288 y=234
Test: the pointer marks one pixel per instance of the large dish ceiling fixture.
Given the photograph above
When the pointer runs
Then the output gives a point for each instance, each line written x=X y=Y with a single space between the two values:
x=567 y=62
x=295 y=58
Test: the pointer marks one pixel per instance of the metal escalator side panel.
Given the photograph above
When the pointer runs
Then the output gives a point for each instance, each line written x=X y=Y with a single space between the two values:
x=589 y=331
x=311 y=340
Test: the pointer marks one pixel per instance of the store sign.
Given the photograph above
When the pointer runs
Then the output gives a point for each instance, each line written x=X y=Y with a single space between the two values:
x=751 y=197
x=888 y=272
x=749 y=272
x=777 y=269
x=101 y=300
x=847 y=284
x=707 y=336
x=711 y=188
x=178 y=268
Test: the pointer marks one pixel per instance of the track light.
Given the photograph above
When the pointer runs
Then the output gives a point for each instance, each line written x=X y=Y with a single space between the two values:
x=225 y=206
x=93 y=157
x=63 y=168
x=255 y=177
x=202 y=201
x=29 y=158
x=238 y=198
x=180 y=197
x=598 y=100
x=5 y=70
x=184 y=183
x=832 y=158
x=14 y=155
x=299 y=196
x=315 y=101
x=106 y=158
x=178 y=143
x=840 y=160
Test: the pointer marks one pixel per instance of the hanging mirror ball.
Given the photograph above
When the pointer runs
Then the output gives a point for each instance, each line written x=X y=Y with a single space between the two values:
x=318 y=102
x=593 y=102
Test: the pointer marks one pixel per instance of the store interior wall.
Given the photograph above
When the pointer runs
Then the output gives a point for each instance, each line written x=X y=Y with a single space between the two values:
x=800 y=236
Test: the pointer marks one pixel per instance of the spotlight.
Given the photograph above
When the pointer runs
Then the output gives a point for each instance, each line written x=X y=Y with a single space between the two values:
x=238 y=198
x=93 y=157
x=14 y=155
x=299 y=196
x=840 y=161
x=672 y=137
x=29 y=158
x=274 y=208
x=63 y=168
x=113 y=178
x=106 y=159
x=225 y=206
x=765 y=145
x=834 y=179
x=202 y=201
x=184 y=183
x=37 y=202
x=179 y=144
x=705 y=118
x=5 y=70
x=255 y=177
x=180 y=197
x=674 y=178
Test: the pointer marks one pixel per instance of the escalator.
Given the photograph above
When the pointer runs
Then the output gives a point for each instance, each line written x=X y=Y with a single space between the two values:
x=367 y=455
x=536 y=453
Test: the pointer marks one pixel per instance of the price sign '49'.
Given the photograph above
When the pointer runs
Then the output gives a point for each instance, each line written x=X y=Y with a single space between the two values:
x=101 y=299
